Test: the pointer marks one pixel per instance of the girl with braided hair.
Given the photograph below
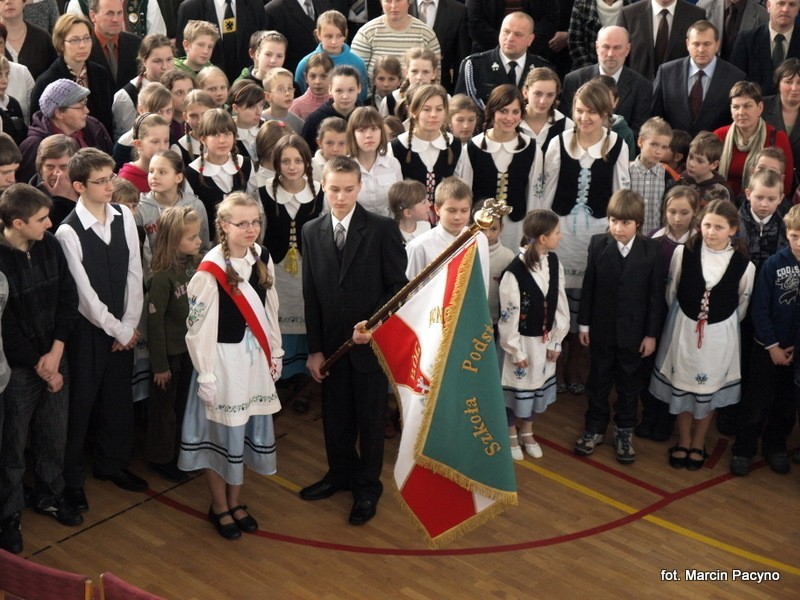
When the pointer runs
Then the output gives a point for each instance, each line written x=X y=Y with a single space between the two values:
x=235 y=347
x=290 y=200
x=219 y=170
x=427 y=152
x=195 y=104
x=420 y=66
x=500 y=162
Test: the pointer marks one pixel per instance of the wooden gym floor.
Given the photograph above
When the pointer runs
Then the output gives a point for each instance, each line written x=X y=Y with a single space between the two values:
x=584 y=527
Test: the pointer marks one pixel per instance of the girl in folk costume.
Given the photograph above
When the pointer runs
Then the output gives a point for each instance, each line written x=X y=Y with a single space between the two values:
x=464 y=117
x=367 y=143
x=268 y=135
x=501 y=161
x=235 y=346
x=246 y=100
x=179 y=83
x=582 y=167
x=196 y=103
x=213 y=80
x=155 y=59
x=427 y=153
x=219 y=170
x=697 y=365
x=542 y=120
x=153 y=98
x=175 y=258
x=421 y=66
x=387 y=74
x=534 y=319
x=150 y=135
x=290 y=200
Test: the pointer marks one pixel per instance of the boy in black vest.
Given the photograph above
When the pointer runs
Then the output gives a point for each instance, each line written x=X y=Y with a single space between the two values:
x=621 y=315
x=102 y=249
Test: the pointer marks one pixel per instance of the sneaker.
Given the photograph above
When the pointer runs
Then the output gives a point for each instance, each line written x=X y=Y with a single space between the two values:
x=779 y=463
x=622 y=444
x=11 y=535
x=61 y=511
x=585 y=444
x=740 y=466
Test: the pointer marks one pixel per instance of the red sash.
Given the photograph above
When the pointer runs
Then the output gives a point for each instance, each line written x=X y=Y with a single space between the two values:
x=241 y=303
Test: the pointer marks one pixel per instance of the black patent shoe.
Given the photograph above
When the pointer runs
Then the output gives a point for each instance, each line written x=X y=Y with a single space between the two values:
x=248 y=524
x=227 y=530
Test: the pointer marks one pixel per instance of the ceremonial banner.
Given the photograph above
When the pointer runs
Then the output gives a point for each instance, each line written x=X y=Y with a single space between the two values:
x=454 y=469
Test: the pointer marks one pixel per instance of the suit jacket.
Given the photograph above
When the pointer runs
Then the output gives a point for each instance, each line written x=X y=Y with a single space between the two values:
x=622 y=299
x=637 y=18
x=127 y=68
x=671 y=96
x=339 y=294
x=752 y=54
x=635 y=93
x=450 y=27
x=250 y=18
x=480 y=73
x=754 y=15
x=773 y=115
x=288 y=17
x=486 y=16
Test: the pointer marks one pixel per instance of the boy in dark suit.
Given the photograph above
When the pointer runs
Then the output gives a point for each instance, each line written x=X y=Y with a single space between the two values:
x=353 y=262
x=621 y=314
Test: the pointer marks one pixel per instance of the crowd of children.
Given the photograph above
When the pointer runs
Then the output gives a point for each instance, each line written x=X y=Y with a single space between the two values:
x=243 y=230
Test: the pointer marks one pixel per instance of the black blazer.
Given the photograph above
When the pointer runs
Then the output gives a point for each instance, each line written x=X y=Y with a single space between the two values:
x=127 y=68
x=622 y=299
x=486 y=16
x=338 y=294
x=637 y=18
x=773 y=115
x=249 y=19
x=100 y=99
x=487 y=72
x=635 y=94
x=752 y=54
x=450 y=27
x=671 y=98
x=288 y=17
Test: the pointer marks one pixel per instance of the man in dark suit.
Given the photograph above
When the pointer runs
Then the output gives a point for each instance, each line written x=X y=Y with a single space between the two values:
x=635 y=92
x=250 y=17
x=675 y=97
x=449 y=23
x=486 y=17
x=657 y=37
x=288 y=17
x=732 y=16
x=109 y=21
x=758 y=54
x=353 y=263
x=480 y=73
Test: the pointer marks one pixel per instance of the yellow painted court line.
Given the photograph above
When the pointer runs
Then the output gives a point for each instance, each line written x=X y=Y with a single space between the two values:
x=292 y=487
x=659 y=521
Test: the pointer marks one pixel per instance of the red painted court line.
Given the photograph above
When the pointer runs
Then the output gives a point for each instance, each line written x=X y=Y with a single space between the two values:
x=606 y=469
x=716 y=454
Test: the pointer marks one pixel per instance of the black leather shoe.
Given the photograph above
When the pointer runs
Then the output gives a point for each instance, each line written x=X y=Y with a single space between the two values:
x=62 y=511
x=363 y=511
x=248 y=524
x=319 y=491
x=125 y=480
x=11 y=535
x=227 y=530
x=779 y=463
x=76 y=498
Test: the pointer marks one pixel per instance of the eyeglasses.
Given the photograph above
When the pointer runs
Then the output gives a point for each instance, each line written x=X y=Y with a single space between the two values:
x=79 y=106
x=103 y=181
x=87 y=39
x=246 y=224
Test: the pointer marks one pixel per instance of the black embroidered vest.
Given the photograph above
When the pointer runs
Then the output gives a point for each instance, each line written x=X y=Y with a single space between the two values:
x=724 y=297
x=532 y=318
x=230 y=322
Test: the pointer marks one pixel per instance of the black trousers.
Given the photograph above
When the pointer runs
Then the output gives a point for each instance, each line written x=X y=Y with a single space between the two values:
x=767 y=409
x=354 y=405
x=100 y=394
x=613 y=366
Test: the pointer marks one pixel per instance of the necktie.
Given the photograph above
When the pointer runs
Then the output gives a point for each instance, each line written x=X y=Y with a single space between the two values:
x=696 y=95
x=662 y=38
x=624 y=251
x=309 y=9
x=112 y=59
x=730 y=29
x=423 y=10
x=512 y=72
x=777 y=52
x=338 y=238
x=359 y=8
x=229 y=34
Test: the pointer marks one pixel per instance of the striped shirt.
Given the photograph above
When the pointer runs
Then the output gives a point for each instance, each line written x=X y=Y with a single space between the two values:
x=376 y=39
x=650 y=184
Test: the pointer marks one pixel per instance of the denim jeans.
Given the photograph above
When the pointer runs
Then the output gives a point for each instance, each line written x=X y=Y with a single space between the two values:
x=30 y=408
